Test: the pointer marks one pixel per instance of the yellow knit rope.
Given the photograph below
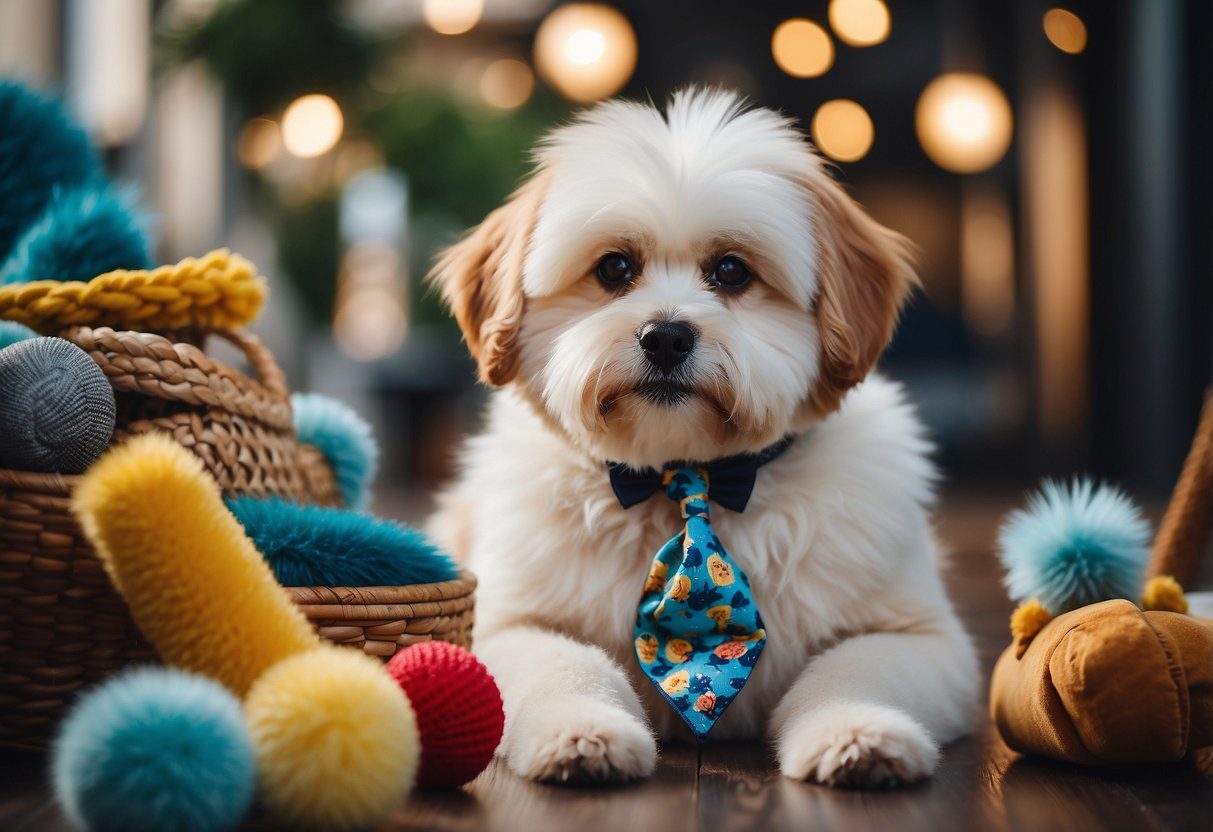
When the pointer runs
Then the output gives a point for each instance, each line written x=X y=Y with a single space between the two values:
x=219 y=289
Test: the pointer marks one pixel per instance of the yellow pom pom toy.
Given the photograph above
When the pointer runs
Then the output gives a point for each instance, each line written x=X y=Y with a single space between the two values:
x=197 y=587
x=336 y=740
x=1163 y=593
x=1029 y=618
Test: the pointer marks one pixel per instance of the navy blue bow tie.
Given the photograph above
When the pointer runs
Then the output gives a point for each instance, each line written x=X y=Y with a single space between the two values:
x=730 y=478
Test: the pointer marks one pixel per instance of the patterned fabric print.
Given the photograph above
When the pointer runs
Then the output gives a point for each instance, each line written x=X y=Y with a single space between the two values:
x=698 y=632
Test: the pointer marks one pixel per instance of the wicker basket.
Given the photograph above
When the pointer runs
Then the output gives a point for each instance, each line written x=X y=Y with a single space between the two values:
x=63 y=626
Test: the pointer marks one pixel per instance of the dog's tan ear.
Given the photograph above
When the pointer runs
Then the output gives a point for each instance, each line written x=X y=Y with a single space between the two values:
x=865 y=274
x=480 y=278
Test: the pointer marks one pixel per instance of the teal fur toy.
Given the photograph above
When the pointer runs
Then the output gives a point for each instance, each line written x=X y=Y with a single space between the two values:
x=40 y=150
x=316 y=546
x=1074 y=544
x=57 y=408
x=82 y=233
x=59 y=217
x=155 y=749
x=346 y=441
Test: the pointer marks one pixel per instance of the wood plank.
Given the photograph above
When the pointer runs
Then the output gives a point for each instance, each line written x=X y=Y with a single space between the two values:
x=500 y=801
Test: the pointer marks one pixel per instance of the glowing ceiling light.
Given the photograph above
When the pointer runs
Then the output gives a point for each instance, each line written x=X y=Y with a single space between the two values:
x=859 y=22
x=802 y=48
x=452 y=17
x=842 y=130
x=1065 y=30
x=311 y=126
x=964 y=122
x=506 y=84
x=585 y=50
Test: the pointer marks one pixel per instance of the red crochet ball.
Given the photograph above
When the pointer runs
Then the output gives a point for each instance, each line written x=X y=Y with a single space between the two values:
x=458 y=708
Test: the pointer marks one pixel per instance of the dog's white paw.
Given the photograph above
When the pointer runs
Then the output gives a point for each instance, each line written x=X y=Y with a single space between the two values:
x=858 y=745
x=593 y=743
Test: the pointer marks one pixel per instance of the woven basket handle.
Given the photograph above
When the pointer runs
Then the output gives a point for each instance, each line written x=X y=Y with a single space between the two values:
x=265 y=366
x=153 y=365
x=1184 y=531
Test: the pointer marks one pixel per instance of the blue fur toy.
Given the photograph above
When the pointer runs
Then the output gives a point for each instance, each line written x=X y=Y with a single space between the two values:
x=316 y=546
x=345 y=440
x=155 y=749
x=82 y=233
x=40 y=149
x=1074 y=545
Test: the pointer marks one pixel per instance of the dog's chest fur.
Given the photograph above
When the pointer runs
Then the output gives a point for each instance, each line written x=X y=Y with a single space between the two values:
x=833 y=539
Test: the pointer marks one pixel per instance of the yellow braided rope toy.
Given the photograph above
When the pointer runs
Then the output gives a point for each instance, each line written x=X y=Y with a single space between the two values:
x=219 y=289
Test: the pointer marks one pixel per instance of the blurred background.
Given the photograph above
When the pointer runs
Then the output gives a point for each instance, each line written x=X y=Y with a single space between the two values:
x=1051 y=162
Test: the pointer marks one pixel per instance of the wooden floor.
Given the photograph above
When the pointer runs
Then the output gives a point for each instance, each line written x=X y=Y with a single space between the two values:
x=980 y=785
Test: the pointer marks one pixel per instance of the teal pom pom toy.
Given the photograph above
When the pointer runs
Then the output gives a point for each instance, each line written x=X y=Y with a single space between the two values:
x=57 y=408
x=317 y=546
x=1074 y=545
x=82 y=233
x=345 y=440
x=155 y=749
x=40 y=149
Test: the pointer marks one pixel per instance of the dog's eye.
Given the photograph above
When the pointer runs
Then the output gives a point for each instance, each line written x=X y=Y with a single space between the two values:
x=615 y=270
x=730 y=272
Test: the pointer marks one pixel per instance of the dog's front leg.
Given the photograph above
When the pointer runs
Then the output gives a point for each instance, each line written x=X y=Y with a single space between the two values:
x=570 y=713
x=874 y=709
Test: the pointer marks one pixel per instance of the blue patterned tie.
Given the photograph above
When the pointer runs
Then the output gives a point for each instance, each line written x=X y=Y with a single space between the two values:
x=698 y=631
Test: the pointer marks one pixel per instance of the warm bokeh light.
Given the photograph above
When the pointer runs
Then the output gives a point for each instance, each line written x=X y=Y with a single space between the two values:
x=585 y=50
x=987 y=259
x=506 y=84
x=842 y=130
x=1065 y=30
x=802 y=48
x=371 y=315
x=964 y=122
x=859 y=22
x=452 y=17
x=258 y=143
x=311 y=126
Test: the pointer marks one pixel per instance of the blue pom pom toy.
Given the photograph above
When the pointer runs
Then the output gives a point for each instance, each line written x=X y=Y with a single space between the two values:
x=40 y=149
x=1074 y=545
x=82 y=233
x=345 y=440
x=316 y=546
x=155 y=749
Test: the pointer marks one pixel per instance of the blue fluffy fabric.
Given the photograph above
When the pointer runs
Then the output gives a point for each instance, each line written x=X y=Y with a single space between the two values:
x=40 y=148
x=345 y=440
x=155 y=749
x=12 y=332
x=1074 y=545
x=82 y=233
x=316 y=546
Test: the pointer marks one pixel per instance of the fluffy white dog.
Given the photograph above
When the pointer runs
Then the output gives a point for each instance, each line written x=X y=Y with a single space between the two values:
x=687 y=286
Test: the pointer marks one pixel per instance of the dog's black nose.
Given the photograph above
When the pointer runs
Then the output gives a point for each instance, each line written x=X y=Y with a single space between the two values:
x=667 y=344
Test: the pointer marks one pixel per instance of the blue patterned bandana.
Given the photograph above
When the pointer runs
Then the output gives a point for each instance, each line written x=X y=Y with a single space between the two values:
x=698 y=631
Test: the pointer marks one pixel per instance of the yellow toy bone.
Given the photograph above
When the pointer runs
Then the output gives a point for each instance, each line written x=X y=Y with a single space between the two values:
x=335 y=738
x=220 y=290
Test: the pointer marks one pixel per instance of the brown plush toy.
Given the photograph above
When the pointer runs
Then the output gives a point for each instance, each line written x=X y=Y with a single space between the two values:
x=1111 y=682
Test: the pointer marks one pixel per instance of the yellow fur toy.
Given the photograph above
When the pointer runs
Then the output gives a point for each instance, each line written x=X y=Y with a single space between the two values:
x=335 y=737
x=196 y=586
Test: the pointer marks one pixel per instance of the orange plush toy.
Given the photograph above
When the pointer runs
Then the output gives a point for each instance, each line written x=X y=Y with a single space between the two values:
x=1091 y=677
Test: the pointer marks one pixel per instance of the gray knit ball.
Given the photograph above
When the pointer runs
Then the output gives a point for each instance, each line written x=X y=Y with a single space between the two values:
x=56 y=407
